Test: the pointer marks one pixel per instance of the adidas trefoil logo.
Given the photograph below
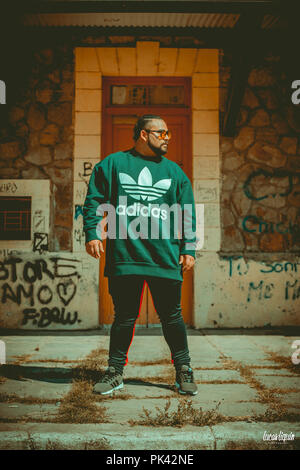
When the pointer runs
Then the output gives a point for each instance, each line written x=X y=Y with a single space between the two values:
x=144 y=189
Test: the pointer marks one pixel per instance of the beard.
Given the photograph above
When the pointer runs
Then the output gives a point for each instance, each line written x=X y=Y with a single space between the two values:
x=158 y=150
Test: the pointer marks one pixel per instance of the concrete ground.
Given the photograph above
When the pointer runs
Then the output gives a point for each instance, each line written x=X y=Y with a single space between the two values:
x=248 y=389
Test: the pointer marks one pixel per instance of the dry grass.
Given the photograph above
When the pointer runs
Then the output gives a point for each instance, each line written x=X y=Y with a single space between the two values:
x=14 y=398
x=185 y=414
x=78 y=406
x=283 y=361
x=276 y=411
x=21 y=359
x=151 y=363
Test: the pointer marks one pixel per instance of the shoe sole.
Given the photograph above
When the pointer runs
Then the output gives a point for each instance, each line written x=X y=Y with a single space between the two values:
x=183 y=392
x=110 y=391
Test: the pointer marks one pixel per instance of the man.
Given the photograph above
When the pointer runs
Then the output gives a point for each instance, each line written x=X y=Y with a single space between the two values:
x=140 y=176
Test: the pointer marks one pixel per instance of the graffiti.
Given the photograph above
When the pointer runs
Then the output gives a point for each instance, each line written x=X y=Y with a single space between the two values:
x=19 y=285
x=264 y=290
x=292 y=291
x=46 y=316
x=87 y=169
x=38 y=222
x=80 y=194
x=242 y=268
x=280 y=267
x=268 y=227
x=8 y=252
x=78 y=211
x=40 y=242
x=277 y=173
x=79 y=236
x=32 y=271
x=66 y=291
x=8 y=187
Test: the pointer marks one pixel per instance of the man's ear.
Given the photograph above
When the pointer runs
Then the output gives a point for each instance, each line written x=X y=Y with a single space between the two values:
x=143 y=135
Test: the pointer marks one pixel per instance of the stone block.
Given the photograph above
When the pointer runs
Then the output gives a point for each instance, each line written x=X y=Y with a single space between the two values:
x=127 y=61
x=147 y=53
x=87 y=146
x=86 y=59
x=10 y=150
x=39 y=156
x=87 y=123
x=205 y=79
x=260 y=119
x=167 y=61
x=245 y=138
x=36 y=118
x=267 y=154
x=88 y=100
x=205 y=122
x=107 y=58
x=207 y=60
x=50 y=135
x=211 y=215
x=205 y=98
x=89 y=80
x=205 y=144
x=206 y=167
x=186 y=62
x=206 y=191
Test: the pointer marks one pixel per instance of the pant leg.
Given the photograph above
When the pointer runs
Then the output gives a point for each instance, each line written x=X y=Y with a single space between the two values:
x=126 y=292
x=166 y=295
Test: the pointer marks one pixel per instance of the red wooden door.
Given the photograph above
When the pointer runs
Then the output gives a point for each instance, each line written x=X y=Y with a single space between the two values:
x=117 y=134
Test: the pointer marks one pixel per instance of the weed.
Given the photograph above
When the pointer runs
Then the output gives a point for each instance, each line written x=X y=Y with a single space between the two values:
x=78 y=406
x=185 y=414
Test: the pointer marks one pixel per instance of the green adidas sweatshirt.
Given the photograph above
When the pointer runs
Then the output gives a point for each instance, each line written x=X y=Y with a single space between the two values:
x=150 y=214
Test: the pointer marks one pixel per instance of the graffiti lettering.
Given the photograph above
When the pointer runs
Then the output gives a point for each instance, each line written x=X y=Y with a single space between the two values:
x=34 y=270
x=78 y=211
x=295 y=292
x=46 y=316
x=277 y=173
x=66 y=291
x=8 y=187
x=267 y=227
x=40 y=242
x=264 y=290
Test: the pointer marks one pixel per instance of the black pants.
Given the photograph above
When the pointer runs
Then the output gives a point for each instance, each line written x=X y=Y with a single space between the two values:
x=166 y=294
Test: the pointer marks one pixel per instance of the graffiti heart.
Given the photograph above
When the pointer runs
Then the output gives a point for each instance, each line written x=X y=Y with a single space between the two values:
x=66 y=291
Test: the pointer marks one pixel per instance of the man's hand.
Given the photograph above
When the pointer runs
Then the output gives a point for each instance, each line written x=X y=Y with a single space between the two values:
x=187 y=262
x=94 y=247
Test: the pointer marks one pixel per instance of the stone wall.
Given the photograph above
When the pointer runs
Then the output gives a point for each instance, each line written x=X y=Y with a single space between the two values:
x=36 y=141
x=260 y=203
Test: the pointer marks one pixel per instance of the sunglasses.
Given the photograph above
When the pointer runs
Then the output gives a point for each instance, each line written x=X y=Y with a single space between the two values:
x=162 y=134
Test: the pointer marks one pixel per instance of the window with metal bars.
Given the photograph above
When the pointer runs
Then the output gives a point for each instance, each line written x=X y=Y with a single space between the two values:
x=15 y=218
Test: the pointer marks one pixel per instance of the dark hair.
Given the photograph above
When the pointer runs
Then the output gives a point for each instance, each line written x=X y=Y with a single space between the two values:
x=142 y=122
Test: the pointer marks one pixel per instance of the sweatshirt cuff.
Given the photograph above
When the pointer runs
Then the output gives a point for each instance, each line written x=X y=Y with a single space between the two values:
x=91 y=234
x=188 y=252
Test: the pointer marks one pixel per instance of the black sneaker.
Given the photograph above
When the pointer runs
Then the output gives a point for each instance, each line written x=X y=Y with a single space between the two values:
x=185 y=381
x=111 y=381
